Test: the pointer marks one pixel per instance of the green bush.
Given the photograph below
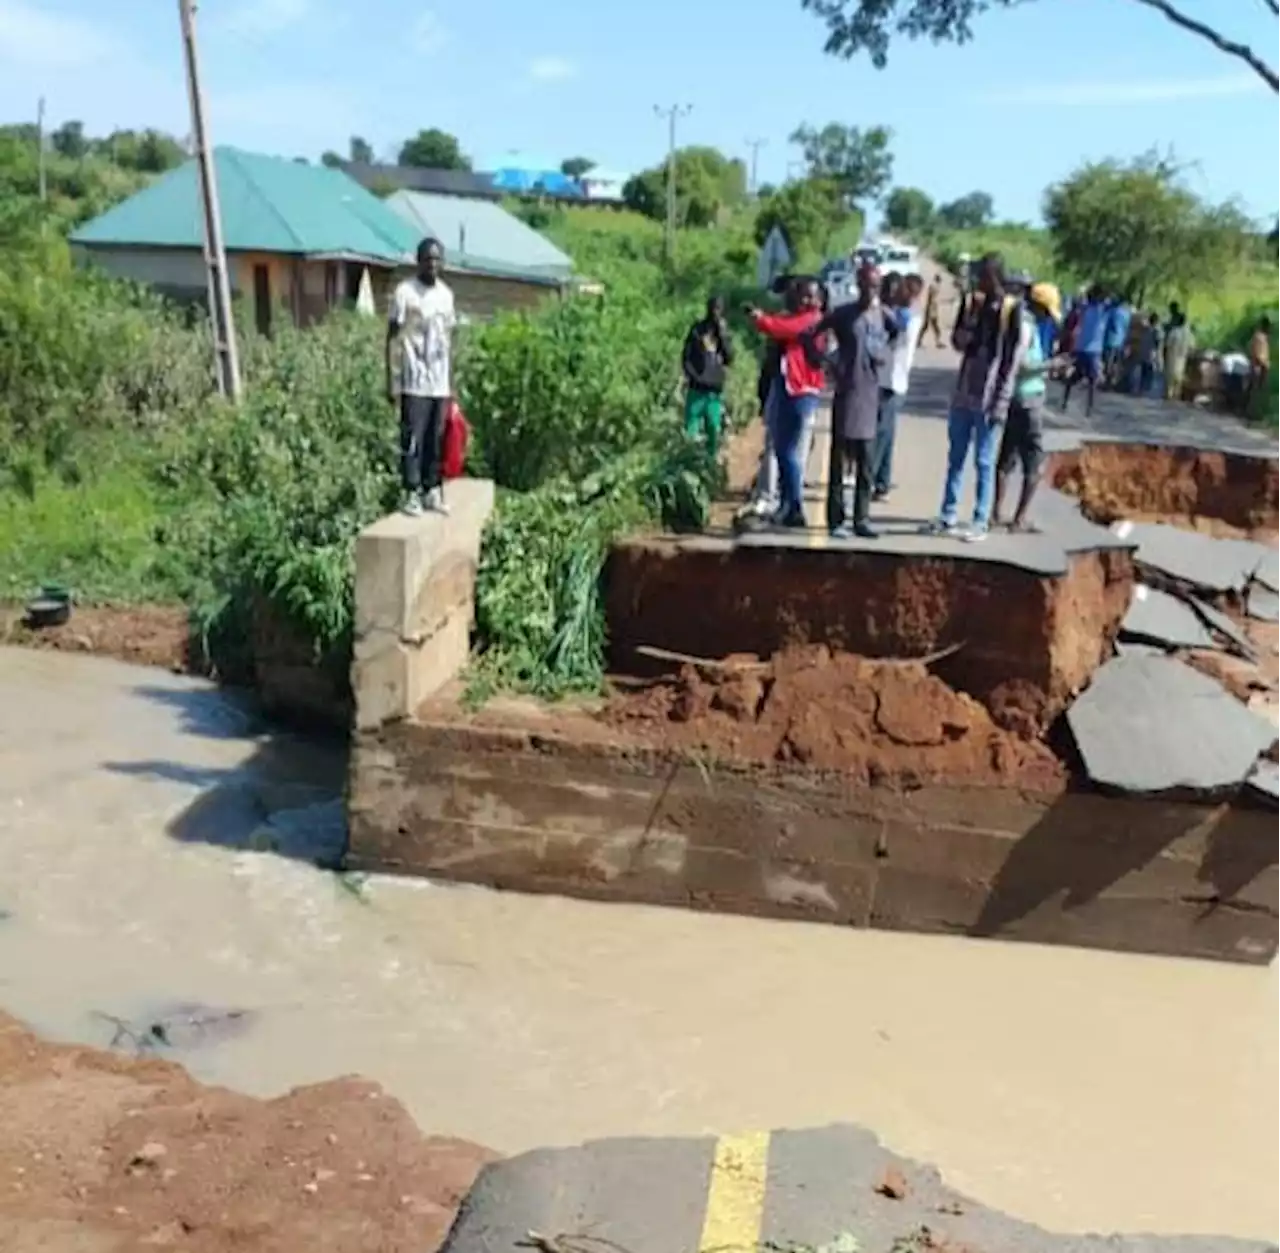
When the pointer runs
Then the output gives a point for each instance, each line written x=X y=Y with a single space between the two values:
x=124 y=475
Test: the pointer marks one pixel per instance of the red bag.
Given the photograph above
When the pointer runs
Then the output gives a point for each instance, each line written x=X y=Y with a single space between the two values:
x=457 y=435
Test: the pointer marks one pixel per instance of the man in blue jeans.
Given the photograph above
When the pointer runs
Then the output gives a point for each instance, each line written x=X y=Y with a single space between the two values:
x=988 y=336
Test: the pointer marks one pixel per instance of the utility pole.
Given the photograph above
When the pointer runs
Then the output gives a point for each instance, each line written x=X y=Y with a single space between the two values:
x=226 y=354
x=673 y=115
x=755 y=145
x=40 y=159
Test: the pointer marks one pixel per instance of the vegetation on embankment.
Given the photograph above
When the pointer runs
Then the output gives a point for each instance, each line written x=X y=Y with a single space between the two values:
x=124 y=477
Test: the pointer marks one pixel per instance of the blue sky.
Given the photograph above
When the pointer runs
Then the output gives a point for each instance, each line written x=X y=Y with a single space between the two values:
x=1070 y=80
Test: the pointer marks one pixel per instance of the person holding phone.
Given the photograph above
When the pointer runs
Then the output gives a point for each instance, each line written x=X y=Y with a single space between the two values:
x=796 y=392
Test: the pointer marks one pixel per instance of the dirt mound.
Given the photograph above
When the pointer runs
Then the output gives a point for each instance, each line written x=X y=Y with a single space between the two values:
x=147 y=635
x=105 y=1154
x=877 y=721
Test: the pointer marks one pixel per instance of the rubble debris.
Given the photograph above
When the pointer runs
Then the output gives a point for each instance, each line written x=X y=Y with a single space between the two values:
x=1152 y=724
x=1162 y=618
x=1201 y=561
x=1267 y=571
x=1140 y=648
x=1262 y=603
x=177 y=1026
x=1264 y=781
x=877 y=720
x=1225 y=626
x=893 y=1184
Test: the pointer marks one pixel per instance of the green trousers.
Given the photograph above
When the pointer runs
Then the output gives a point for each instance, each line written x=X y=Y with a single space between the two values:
x=704 y=415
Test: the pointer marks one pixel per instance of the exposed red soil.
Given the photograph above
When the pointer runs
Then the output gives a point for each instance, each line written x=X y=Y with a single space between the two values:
x=878 y=722
x=1221 y=494
x=106 y=1154
x=1023 y=644
x=148 y=635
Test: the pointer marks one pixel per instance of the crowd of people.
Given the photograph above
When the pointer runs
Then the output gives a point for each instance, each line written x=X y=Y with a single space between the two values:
x=866 y=349
x=1013 y=335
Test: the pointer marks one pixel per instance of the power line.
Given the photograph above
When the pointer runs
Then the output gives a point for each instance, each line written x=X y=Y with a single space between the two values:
x=673 y=115
x=40 y=157
x=755 y=145
x=226 y=353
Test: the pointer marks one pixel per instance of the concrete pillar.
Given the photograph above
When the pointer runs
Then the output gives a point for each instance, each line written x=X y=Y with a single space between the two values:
x=415 y=603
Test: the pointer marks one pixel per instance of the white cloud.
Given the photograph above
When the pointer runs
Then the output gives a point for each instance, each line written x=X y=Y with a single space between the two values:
x=32 y=37
x=259 y=19
x=1152 y=91
x=551 y=69
x=429 y=33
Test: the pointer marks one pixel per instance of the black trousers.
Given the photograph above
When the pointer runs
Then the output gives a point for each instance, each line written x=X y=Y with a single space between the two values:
x=849 y=473
x=421 y=436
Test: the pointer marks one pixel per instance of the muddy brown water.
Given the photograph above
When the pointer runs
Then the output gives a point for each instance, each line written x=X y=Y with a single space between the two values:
x=1077 y=1089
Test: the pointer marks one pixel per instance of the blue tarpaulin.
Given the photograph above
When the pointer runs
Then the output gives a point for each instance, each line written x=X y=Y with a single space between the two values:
x=550 y=181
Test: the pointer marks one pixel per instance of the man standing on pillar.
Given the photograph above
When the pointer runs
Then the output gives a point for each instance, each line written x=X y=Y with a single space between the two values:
x=420 y=326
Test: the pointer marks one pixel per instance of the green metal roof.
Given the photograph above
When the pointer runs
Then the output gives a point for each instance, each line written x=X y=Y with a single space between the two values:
x=269 y=204
x=482 y=237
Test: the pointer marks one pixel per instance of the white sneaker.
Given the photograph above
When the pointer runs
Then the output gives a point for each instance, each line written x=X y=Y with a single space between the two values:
x=412 y=506
x=939 y=526
x=435 y=500
x=975 y=534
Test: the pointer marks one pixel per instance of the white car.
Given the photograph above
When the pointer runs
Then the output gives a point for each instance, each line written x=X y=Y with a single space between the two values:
x=901 y=257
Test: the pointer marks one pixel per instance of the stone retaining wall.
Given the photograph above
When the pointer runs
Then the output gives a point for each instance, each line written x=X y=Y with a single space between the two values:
x=541 y=813
x=415 y=602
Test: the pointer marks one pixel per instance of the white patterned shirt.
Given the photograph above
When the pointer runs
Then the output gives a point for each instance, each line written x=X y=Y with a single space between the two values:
x=424 y=317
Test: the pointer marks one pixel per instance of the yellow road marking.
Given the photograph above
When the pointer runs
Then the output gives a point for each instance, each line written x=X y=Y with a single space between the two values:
x=735 y=1196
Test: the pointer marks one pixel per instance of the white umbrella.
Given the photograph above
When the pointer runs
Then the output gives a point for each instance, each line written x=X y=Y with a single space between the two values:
x=364 y=294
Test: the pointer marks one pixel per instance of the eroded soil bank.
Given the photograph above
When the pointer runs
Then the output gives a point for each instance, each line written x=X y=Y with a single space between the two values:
x=1221 y=493
x=1021 y=643
x=101 y=1153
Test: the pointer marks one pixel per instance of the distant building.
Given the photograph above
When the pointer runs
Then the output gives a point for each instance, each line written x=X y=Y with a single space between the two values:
x=298 y=237
x=605 y=186
x=492 y=259
x=384 y=179
x=522 y=174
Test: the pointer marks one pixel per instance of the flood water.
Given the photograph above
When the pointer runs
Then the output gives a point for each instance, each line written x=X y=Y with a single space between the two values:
x=1079 y=1090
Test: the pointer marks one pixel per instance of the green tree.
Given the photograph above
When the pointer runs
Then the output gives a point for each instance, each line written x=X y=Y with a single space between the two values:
x=1136 y=228
x=859 y=161
x=968 y=213
x=148 y=151
x=707 y=182
x=577 y=168
x=433 y=149
x=331 y=159
x=908 y=209
x=855 y=26
x=69 y=141
x=360 y=150
x=809 y=211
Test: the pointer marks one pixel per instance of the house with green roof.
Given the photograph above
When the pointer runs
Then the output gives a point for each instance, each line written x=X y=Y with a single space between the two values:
x=299 y=237
x=492 y=259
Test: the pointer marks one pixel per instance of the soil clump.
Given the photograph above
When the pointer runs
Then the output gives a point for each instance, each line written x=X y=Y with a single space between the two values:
x=876 y=721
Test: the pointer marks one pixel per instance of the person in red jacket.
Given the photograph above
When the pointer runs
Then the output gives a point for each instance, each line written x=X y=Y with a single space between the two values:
x=797 y=392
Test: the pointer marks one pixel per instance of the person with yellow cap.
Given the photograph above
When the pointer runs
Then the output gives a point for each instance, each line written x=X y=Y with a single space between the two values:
x=1023 y=439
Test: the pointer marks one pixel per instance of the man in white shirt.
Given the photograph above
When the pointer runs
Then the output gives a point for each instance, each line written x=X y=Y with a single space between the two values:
x=906 y=298
x=420 y=331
